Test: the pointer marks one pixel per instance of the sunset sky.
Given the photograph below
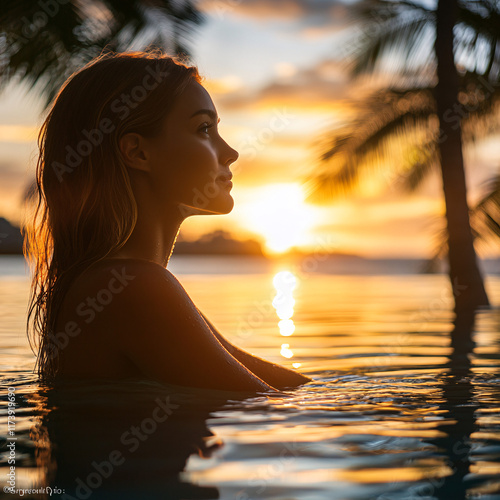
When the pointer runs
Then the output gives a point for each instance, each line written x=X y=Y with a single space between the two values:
x=274 y=71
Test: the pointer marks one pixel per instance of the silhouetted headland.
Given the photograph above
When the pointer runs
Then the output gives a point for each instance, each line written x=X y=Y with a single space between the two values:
x=11 y=239
x=218 y=243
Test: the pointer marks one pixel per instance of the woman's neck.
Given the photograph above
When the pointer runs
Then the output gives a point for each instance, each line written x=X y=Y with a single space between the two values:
x=154 y=235
x=154 y=243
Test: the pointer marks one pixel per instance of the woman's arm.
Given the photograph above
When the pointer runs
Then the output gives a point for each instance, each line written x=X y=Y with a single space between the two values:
x=276 y=375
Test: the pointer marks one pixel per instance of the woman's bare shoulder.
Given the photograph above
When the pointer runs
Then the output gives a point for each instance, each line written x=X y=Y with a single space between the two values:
x=118 y=274
x=113 y=285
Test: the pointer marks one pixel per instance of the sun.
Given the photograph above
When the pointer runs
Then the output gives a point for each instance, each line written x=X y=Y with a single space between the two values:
x=278 y=212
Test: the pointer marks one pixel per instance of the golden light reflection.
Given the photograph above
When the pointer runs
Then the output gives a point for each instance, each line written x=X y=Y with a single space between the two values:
x=286 y=352
x=374 y=475
x=284 y=282
x=287 y=327
x=280 y=214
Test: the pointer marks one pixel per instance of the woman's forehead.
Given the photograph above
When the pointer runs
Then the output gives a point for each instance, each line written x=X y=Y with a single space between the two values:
x=193 y=99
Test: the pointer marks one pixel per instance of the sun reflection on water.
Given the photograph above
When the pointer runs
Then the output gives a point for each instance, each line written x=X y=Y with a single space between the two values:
x=284 y=282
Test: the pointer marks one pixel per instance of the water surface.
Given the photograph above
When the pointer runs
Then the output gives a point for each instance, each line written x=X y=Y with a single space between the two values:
x=395 y=411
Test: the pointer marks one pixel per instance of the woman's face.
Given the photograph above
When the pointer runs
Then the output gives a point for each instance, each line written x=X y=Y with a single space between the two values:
x=189 y=160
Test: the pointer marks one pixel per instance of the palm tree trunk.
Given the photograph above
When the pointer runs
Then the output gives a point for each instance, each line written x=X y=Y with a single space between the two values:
x=466 y=280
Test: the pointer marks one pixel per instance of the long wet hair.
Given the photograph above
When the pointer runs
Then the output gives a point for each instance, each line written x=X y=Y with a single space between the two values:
x=85 y=207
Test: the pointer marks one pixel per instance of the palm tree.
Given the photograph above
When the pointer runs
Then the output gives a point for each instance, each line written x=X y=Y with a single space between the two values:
x=484 y=220
x=433 y=110
x=42 y=42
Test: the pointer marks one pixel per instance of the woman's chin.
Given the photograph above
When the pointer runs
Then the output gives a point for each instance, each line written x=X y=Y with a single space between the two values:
x=222 y=206
x=229 y=204
x=219 y=206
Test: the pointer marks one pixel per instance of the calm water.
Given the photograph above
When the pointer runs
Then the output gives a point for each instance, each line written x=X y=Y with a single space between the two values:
x=394 y=411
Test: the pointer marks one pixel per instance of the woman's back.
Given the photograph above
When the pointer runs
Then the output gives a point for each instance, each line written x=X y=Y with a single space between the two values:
x=88 y=344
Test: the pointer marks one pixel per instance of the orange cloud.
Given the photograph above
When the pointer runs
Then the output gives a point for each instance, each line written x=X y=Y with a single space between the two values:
x=330 y=10
x=324 y=88
x=379 y=228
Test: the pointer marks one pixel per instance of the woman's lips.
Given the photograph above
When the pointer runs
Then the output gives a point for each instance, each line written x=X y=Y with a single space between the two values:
x=225 y=182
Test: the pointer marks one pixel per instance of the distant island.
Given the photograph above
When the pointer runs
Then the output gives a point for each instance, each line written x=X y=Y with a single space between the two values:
x=218 y=243
x=215 y=243
x=11 y=239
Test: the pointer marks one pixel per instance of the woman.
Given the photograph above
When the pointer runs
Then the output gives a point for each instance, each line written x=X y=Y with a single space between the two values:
x=129 y=150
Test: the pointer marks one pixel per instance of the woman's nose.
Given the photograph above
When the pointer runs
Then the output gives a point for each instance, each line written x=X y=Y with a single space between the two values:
x=230 y=154
x=234 y=154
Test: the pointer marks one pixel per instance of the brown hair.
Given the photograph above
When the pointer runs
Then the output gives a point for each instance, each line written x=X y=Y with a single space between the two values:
x=85 y=205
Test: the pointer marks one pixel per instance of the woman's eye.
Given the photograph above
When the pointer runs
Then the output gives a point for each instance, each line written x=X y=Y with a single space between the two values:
x=205 y=127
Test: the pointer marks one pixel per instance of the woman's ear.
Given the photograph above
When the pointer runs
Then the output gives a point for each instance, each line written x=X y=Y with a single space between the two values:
x=133 y=152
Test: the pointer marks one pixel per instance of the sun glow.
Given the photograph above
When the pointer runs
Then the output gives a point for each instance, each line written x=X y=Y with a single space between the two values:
x=280 y=214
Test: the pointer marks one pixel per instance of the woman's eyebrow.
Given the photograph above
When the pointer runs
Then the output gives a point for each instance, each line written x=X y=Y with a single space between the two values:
x=211 y=113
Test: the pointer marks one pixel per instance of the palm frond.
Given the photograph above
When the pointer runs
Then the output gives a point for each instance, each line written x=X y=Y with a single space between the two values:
x=42 y=48
x=422 y=159
x=360 y=146
x=385 y=112
x=402 y=32
x=479 y=107
x=440 y=251
x=485 y=215
x=482 y=17
x=392 y=29
x=401 y=44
